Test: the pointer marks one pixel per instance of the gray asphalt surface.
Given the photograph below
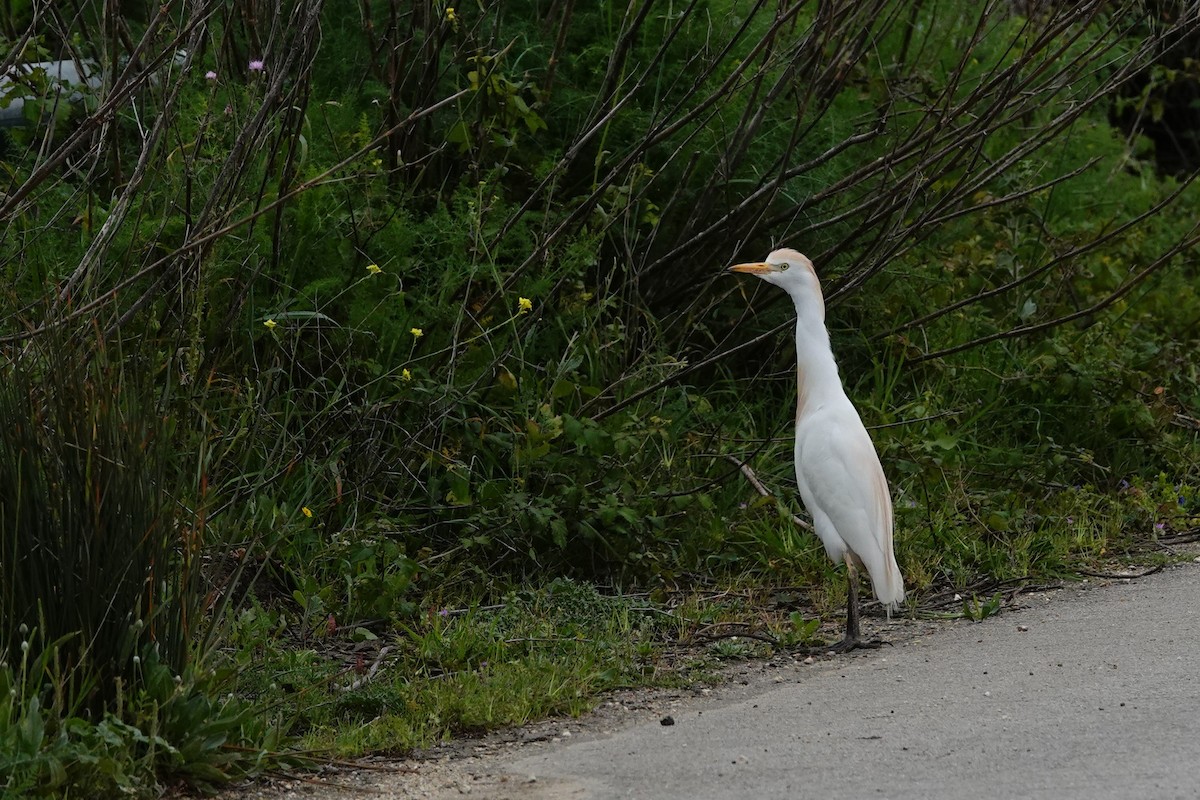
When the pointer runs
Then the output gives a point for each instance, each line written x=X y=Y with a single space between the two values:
x=1098 y=698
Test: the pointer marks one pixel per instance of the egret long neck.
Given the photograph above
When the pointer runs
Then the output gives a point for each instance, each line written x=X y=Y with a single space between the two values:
x=817 y=379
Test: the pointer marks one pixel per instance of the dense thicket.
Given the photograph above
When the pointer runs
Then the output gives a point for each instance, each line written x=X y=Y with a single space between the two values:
x=434 y=295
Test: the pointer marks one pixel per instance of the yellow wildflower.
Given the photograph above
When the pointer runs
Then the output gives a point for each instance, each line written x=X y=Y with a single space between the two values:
x=306 y=511
x=373 y=269
x=270 y=324
x=417 y=333
x=450 y=16
x=524 y=305
x=405 y=375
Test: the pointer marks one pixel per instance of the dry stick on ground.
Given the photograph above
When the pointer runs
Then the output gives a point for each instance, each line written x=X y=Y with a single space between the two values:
x=981 y=587
x=709 y=634
x=1183 y=537
x=757 y=484
x=1114 y=575
x=370 y=673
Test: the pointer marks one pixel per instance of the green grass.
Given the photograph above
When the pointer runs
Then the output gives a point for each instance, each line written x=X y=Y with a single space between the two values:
x=535 y=653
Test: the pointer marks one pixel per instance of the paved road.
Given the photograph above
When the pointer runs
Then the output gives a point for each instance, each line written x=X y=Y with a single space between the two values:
x=1090 y=694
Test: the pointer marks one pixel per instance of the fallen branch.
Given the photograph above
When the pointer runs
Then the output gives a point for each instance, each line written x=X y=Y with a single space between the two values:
x=1183 y=537
x=980 y=588
x=370 y=673
x=707 y=635
x=1184 y=421
x=1115 y=575
x=758 y=485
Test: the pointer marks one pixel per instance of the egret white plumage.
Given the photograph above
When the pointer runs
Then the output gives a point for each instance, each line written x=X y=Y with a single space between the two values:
x=837 y=469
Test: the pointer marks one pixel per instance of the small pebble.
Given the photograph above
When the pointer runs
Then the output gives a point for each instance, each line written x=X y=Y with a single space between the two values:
x=667 y=720
x=1022 y=628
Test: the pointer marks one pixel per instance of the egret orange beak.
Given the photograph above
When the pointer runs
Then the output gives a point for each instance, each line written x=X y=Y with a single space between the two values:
x=755 y=268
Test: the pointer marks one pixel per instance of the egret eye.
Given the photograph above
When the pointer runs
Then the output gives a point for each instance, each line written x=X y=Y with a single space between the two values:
x=783 y=267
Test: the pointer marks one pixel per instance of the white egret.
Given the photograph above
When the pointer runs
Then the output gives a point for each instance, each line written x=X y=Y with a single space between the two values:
x=837 y=469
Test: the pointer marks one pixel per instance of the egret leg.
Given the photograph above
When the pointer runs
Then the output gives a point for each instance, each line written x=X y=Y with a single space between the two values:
x=853 y=639
x=852 y=630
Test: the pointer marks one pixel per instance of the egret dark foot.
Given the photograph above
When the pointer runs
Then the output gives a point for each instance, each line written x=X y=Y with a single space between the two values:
x=853 y=639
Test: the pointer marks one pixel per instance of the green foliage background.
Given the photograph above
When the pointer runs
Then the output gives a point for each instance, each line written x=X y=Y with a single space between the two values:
x=435 y=299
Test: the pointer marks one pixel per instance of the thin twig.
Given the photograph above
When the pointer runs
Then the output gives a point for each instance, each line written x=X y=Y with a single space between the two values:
x=1115 y=575
x=710 y=634
x=758 y=485
x=370 y=673
x=1183 y=537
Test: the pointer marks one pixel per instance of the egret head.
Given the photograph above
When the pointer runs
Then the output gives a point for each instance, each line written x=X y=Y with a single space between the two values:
x=787 y=269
